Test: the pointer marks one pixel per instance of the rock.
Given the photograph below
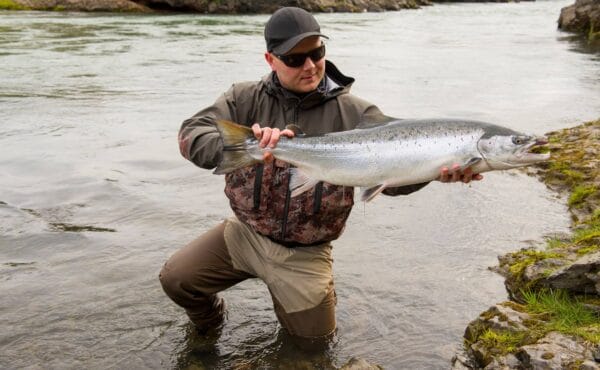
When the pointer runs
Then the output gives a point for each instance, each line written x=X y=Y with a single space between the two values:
x=589 y=365
x=555 y=351
x=462 y=361
x=500 y=318
x=582 y=276
x=506 y=362
x=575 y=273
x=581 y=17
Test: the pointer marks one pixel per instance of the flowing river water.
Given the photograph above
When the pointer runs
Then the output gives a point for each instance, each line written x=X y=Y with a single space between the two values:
x=94 y=195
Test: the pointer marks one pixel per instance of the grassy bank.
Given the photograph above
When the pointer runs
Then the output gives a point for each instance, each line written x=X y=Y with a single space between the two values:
x=539 y=310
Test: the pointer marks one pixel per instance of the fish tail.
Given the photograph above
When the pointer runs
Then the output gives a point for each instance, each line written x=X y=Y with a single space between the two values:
x=235 y=147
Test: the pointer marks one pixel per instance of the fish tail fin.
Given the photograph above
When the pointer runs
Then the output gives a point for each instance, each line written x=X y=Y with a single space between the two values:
x=235 y=147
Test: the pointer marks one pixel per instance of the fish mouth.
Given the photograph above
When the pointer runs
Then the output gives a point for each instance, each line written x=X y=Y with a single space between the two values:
x=535 y=151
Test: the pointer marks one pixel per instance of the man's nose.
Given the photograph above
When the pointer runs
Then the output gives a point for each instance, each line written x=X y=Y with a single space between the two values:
x=308 y=63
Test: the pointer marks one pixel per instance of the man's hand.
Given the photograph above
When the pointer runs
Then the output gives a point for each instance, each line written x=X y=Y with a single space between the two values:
x=457 y=175
x=269 y=137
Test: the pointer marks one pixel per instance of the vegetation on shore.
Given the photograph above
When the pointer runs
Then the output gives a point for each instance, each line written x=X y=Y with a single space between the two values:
x=553 y=287
x=11 y=5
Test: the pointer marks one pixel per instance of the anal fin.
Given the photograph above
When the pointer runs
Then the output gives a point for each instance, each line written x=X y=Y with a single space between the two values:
x=366 y=195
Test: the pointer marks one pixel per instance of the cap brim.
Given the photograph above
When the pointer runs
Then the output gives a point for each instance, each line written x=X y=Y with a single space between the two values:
x=289 y=44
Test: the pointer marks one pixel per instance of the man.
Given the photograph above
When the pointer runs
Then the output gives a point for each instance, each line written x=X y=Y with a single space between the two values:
x=282 y=240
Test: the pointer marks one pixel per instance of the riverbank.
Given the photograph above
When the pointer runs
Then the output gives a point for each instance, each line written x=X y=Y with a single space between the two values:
x=221 y=7
x=552 y=318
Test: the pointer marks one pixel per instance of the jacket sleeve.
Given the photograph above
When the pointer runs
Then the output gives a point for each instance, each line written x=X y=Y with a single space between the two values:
x=199 y=140
x=373 y=114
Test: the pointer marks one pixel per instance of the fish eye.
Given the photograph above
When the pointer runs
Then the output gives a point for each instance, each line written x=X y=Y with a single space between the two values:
x=519 y=140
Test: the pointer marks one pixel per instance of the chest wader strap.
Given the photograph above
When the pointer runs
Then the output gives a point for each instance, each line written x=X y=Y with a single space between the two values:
x=318 y=196
x=258 y=185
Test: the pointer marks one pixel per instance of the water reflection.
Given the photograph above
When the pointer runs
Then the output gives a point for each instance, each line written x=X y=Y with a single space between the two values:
x=581 y=44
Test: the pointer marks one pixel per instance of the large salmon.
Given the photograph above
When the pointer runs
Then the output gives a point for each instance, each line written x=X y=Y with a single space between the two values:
x=398 y=152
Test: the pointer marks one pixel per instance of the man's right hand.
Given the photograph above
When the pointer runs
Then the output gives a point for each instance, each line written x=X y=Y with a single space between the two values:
x=268 y=138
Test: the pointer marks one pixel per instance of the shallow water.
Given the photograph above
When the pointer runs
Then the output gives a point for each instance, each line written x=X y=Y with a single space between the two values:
x=94 y=195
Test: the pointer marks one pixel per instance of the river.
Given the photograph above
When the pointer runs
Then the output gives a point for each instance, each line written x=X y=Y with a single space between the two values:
x=94 y=195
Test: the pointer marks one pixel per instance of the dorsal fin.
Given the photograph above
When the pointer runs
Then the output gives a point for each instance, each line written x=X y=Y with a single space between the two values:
x=375 y=121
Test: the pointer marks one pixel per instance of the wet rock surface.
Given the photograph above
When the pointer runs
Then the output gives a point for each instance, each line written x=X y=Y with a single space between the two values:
x=582 y=17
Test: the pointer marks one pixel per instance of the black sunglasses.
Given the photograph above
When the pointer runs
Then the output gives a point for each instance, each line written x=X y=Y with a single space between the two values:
x=298 y=59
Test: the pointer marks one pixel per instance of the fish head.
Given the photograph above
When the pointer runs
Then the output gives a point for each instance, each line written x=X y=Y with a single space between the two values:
x=505 y=151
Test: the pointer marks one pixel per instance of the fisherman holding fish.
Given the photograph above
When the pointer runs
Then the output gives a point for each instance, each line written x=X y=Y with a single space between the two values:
x=282 y=238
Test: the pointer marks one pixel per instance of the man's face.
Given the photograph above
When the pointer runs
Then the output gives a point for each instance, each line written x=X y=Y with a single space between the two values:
x=302 y=79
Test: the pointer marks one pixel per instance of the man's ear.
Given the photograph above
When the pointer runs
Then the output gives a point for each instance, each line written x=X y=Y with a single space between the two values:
x=269 y=58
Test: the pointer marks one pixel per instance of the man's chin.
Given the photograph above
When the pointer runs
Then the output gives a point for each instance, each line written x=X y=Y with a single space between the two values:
x=307 y=86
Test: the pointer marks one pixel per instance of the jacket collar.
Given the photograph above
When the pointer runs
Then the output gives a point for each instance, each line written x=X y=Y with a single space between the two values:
x=333 y=84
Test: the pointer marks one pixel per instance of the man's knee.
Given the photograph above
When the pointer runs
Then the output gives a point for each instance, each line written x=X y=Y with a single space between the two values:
x=169 y=280
x=174 y=281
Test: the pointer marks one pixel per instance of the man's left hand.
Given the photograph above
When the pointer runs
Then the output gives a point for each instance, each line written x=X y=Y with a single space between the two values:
x=456 y=175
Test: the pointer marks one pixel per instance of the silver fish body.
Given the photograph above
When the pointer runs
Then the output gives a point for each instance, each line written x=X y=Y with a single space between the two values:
x=399 y=152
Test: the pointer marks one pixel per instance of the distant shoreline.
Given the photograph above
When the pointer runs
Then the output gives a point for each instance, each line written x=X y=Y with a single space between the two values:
x=223 y=7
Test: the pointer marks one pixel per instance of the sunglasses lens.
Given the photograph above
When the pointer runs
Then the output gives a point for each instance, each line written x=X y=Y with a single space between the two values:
x=294 y=60
x=317 y=54
x=297 y=60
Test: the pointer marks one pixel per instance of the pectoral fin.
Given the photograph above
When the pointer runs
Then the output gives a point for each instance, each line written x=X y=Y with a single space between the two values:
x=369 y=193
x=471 y=162
x=300 y=182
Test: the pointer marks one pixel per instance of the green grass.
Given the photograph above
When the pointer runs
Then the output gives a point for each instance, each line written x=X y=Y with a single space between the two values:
x=566 y=314
x=557 y=243
x=502 y=342
x=589 y=235
x=580 y=193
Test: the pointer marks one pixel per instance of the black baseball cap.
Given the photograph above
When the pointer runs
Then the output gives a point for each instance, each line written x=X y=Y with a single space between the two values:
x=287 y=27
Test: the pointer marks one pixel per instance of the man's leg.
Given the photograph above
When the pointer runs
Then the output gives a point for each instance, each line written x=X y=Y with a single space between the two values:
x=195 y=273
x=311 y=329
